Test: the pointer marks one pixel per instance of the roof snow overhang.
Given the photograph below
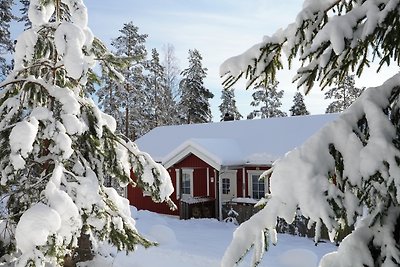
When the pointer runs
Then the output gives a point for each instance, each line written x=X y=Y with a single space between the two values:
x=211 y=151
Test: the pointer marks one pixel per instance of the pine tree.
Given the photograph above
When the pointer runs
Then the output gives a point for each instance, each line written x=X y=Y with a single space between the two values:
x=6 y=45
x=347 y=174
x=228 y=105
x=57 y=147
x=194 y=101
x=268 y=101
x=299 y=107
x=131 y=44
x=345 y=93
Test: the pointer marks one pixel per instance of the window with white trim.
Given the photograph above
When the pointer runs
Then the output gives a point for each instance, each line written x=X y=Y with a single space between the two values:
x=187 y=182
x=256 y=187
x=226 y=186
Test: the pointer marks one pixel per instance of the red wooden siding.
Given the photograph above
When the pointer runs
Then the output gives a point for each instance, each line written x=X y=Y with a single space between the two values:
x=200 y=169
x=199 y=175
x=137 y=199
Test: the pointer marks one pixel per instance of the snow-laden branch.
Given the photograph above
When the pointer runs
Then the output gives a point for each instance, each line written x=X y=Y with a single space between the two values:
x=349 y=164
x=331 y=38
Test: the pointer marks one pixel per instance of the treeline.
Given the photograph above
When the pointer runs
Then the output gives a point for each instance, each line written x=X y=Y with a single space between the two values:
x=152 y=90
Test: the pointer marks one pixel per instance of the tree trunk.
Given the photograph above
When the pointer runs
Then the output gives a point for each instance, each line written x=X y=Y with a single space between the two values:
x=82 y=253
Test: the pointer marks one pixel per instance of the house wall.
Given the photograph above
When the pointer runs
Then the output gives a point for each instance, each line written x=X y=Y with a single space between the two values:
x=200 y=169
x=200 y=188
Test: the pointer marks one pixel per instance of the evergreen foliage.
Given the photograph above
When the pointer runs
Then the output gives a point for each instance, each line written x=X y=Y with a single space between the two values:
x=299 y=107
x=267 y=100
x=344 y=94
x=194 y=103
x=6 y=45
x=347 y=174
x=160 y=100
x=57 y=147
x=24 y=14
x=131 y=96
x=228 y=105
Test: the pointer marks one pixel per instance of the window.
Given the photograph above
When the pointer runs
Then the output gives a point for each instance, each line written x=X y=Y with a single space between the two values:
x=258 y=186
x=226 y=186
x=186 y=183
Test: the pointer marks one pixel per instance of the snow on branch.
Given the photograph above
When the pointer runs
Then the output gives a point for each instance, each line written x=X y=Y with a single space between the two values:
x=330 y=38
x=349 y=164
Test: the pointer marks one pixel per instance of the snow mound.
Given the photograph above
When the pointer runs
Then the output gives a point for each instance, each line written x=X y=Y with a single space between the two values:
x=163 y=235
x=298 y=258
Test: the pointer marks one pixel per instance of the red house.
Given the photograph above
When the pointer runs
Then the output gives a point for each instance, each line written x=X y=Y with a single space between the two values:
x=214 y=163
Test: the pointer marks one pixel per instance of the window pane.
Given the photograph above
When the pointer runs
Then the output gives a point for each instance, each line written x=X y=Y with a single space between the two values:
x=258 y=187
x=185 y=183
x=226 y=186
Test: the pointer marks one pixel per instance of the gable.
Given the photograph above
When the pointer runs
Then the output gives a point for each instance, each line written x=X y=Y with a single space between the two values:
x=187 y=150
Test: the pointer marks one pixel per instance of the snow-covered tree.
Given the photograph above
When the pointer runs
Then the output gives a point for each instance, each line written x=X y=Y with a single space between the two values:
x=194 y=104
x=348 y=172
x=163 y=108
x=299 y=107
x=24 y=13
x=131 y=44
x=57 y=147
x=228 y=105
x=6 y=45
x=344 y=94
x=267 y=100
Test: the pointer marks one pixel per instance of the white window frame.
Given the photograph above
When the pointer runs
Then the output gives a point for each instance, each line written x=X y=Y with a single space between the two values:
x=190 y=173
x=229 y=185
x=250 y=174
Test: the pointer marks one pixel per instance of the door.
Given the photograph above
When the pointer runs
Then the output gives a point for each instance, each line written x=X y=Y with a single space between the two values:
x=228 y=185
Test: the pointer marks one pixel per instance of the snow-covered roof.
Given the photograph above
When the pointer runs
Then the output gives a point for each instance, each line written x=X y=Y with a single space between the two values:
x=228 y=143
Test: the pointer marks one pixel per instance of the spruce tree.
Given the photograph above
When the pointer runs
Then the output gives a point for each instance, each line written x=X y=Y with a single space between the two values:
x=163 y=108
x=6 y=45
x=344 y=94
x=299 y=107
x=228 y=105
x=267 y=100
x=132 y=97
x=347 y=174
x=194 y=104
x=57 y=147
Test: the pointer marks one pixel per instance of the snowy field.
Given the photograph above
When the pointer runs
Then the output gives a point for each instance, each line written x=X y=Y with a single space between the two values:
x=202 y=242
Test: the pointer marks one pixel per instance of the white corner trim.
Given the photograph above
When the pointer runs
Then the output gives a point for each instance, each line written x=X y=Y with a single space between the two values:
x=208 y=181
x=178 y=183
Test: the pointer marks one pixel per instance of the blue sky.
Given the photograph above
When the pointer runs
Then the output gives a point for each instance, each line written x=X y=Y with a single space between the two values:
x=219 y=29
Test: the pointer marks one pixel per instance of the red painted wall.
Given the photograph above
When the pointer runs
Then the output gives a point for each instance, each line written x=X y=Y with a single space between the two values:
x=141 y=202
x=137 y=199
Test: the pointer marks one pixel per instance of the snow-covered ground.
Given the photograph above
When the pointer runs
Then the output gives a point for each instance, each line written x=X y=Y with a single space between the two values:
x=202 y=242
